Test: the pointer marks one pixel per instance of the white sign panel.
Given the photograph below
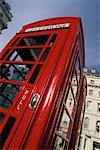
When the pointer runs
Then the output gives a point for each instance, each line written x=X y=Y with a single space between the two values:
x=49 y=27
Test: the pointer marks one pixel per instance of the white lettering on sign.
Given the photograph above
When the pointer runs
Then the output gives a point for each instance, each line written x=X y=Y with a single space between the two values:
x=23 y=99
x=49 y=27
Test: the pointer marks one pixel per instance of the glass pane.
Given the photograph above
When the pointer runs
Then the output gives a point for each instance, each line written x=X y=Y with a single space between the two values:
x=6 y=52
x=82 y=113
x=78 y=69
x=7 y=94
x=64 y=124
x=15 y=72
x=53 y=39
x=2 y=116
x=35 y=73
x=45 y=54
x=74 y=83
x=70 y=102
x=28 y=54
x=34 y=40
x=59 y=143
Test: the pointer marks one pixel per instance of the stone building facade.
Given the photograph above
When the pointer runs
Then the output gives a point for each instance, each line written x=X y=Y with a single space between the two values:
x=90 y=137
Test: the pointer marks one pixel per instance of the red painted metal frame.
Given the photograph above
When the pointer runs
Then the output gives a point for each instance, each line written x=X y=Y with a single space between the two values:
x=37 y=128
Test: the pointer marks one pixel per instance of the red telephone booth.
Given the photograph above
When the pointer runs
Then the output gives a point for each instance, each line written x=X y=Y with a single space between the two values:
x=43 y=86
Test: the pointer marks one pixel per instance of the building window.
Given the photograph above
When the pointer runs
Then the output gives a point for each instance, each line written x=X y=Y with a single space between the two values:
x=90 y=92
x=86 y=122
x=96 y=146
x=98 y=126
x=99 y=93
x=89 y=105
x=98 y=107
x=70 y=102
x=92 y=81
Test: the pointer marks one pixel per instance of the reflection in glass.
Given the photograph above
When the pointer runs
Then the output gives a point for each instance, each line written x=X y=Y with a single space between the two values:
x=74 y=83
x=28 y=54
x=64 y=124
x=45 y=54
x=53 y=39
x=34 y=40
x=78 y=71
x=7 y=94
x=70 y=102
x=35 y=74
x=15 y=72
x=2 y=116
x=59 y=143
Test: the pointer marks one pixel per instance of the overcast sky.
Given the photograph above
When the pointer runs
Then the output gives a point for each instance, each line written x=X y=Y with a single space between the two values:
x=27 y=11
